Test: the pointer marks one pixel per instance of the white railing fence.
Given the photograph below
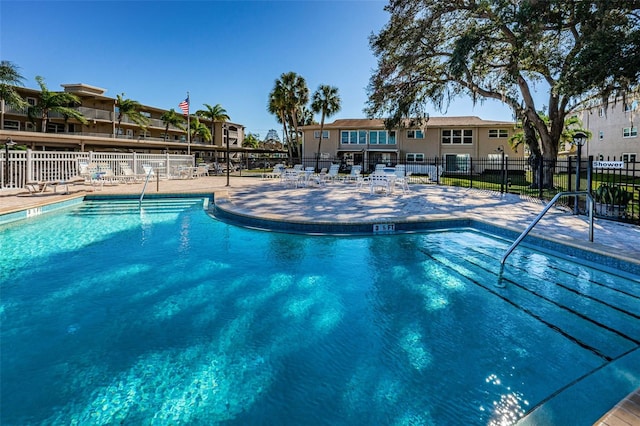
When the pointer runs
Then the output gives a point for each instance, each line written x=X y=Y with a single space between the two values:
x=21 y=167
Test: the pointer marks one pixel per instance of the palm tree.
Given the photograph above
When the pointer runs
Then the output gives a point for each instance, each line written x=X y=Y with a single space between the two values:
x=214 y=113
x=199 y=129
x=305 y=117
x=171 y=118
x=60 y=102
x=131 y=109
x=298 y=97
x=277 y=106
x=325 y=101
x=251 y=141
x=289 y=95
x=9 y=77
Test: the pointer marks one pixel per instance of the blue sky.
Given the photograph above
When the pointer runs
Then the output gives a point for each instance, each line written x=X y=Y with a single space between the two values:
x=222 y=52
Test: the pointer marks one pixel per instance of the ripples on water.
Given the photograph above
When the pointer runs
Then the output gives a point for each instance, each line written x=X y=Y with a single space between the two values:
x=170 y=317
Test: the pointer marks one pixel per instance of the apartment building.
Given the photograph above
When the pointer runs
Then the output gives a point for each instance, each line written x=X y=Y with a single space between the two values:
x=102 y=132
x=614 y=131
x=454 y=140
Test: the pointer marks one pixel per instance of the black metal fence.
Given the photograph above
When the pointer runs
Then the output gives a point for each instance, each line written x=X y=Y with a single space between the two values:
x=615 y=184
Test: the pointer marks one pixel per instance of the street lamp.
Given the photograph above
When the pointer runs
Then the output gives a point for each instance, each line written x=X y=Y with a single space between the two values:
x=7 y=144
x=579 y=139
x=225 y=136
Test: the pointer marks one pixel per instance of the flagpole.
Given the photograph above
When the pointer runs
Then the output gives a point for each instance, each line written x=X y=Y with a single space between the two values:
x=188 y=125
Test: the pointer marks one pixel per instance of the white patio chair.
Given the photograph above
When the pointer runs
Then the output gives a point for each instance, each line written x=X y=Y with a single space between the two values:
x=201 y=170
x=106 y=174
x=354 y=175
x=128 y=175
x=275 y=173
x=333 y=173
x=290 y=178
x=379 y=182
x=402 y=177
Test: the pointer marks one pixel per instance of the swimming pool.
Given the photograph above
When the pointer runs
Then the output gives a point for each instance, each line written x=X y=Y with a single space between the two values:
x=164 y=315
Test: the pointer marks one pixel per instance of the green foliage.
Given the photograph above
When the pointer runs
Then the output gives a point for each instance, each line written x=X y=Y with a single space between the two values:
x=612 y=194
x=171 y=118
x=9 y=77
x=326 y=102
x=61 y=102
x=432 y=51
x=214 y=113
x=131 y=109
x=251 y=141
x=289 y=96
x=199 y=129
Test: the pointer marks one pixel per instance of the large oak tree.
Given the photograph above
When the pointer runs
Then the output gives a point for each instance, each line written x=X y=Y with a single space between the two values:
x=574 y=51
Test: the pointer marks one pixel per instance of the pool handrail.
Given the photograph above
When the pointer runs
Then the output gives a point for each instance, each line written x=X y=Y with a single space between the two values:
x=144 y=187
x=546 y=209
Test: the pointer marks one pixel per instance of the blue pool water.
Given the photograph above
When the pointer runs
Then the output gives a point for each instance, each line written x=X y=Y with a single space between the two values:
x=112 y=315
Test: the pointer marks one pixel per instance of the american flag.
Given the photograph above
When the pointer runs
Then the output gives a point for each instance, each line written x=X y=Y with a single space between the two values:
x=184 y=106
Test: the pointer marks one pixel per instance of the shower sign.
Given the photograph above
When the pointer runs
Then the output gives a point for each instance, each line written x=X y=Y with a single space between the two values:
x=608 y=164
x=384 y=227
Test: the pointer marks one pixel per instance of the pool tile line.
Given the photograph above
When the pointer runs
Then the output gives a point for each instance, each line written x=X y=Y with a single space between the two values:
x=611 y=262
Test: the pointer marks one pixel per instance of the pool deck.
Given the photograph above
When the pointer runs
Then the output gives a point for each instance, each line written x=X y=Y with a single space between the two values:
x=339 y=202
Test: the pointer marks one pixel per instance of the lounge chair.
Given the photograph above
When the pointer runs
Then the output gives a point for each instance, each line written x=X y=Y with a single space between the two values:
x=333 y=173
x=275 y=173
x=354 y=175
x=201 y=170
x=128 y=175
x=40 y=187
x=148 y=172
x=106 y=175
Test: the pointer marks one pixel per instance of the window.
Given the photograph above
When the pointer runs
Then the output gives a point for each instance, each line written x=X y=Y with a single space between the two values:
x=349 y=137
x=55 y=128
x=415 y=134
x=353 y=137
x=325 y=134
x=601 y=134
x=379 y=137
x=374 y=137
x=362 y=136
x=457 y=162
x=29 y=127
x=11 y=125
x=629 y=157
x=629 y=132
x=415 y=157
x=601 y=112
x=32 y=101
x=498 y=133
x=457 y=136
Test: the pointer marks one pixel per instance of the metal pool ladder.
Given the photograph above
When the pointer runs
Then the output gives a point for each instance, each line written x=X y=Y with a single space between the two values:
x=542 y=213
x=148 y=172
